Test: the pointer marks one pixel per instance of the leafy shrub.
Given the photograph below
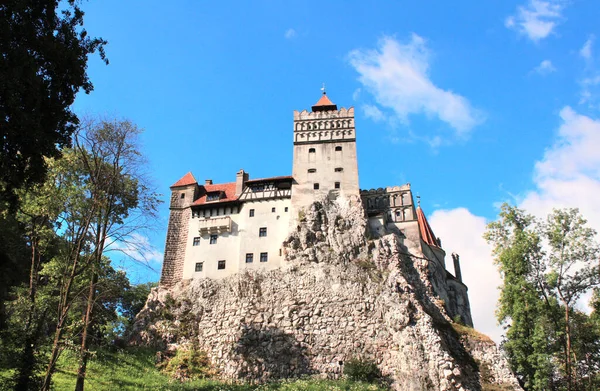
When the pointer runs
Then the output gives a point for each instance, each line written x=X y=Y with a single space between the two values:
x=357 y=369
x=188 y=364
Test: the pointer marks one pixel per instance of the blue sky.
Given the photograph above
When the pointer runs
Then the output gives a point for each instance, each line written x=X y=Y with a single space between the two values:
x=472 y=102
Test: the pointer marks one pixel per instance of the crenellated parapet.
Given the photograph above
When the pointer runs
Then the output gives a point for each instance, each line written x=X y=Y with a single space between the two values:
x=394 y=201
x=320 y=115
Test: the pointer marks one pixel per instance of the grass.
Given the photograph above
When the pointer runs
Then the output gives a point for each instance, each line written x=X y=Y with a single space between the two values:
x=134 y=369
x=471 y=332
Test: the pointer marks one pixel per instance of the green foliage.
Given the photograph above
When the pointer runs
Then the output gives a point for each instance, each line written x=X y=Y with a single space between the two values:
x=134 y=369
x=188 y=364
x=44 y=51
x=546 y=267
x=358 y=369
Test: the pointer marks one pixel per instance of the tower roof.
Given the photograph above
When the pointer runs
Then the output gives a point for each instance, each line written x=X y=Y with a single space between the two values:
x=426 y=232
x=324 y=104
x=187 y=179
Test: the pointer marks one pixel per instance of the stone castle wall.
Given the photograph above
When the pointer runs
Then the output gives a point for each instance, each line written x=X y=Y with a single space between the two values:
x=177 y=235
x=338 y=297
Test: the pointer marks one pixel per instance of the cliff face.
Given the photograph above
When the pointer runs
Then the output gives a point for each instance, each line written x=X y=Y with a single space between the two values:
x=339 y=296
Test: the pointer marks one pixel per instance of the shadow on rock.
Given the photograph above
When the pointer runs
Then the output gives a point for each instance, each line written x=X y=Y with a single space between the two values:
x=269 y=353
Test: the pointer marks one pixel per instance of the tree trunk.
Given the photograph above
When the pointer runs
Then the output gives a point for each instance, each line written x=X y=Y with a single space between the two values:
x=568 y=349
x=84 y=354
x=27 y=358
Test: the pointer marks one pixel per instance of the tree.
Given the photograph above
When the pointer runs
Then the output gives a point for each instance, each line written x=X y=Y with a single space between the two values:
x=546 y=267
x=110 y=156
x=44 y=51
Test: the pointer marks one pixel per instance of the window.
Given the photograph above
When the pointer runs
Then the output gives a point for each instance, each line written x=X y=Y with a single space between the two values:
x=337 y=185
x=213 y=196
x=199 y=266
x=311 y=150
x=249 y=258
x=264 y=257
x=221 y=265
x=312 y=170
x=196 y=241
x=182 y=195
x=338 y=148
x=262 y=232
x=251 y=212
x=339 y=169
x=272 y=210
x=286 y=209
x=316 y=186
x=213 y=238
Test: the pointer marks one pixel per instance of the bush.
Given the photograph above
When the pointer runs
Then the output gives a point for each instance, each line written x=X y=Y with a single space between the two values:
x=189 y=364
x=362 y=370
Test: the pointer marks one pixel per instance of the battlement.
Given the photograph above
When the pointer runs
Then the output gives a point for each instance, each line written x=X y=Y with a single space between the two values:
x=306 y=115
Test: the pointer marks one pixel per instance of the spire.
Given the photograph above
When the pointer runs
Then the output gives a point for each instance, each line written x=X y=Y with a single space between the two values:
x=187 y=179
x=426 y=232
x=324 y=104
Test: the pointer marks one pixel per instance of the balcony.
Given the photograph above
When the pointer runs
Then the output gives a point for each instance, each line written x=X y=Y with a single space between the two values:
x=214 y=225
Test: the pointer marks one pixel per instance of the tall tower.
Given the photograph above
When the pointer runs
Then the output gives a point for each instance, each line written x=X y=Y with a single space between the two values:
x=324 y=153
x=183 y=194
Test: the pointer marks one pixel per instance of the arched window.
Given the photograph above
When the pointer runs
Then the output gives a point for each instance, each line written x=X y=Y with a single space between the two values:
x=312 y=170
x=338 y=148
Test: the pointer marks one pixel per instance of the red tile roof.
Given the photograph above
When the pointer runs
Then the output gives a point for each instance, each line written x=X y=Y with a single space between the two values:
x=324 y=101
x=426 y=232
x=275 y=178
x=187 y=179
x=227 y=188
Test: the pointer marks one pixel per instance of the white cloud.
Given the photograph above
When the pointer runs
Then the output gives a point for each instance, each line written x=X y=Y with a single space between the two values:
x=138 y=248
x=290 y=33
x=537 y=19
x=545 y=68
x=356 y=94
x=373 y=112
x=462 y=232
x=586 y=49
x=397 y=75
x=568 y=175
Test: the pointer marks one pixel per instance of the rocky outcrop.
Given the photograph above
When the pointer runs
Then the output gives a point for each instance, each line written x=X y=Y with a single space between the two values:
x=340 y=296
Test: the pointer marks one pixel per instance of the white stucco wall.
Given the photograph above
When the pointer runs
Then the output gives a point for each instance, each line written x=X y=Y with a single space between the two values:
x=243 y=238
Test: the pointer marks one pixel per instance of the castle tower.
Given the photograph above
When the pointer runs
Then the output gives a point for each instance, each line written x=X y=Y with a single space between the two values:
x=183 y=194
x=324 y=153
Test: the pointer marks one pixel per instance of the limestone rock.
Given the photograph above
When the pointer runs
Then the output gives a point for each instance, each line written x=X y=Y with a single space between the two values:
x=339 y=296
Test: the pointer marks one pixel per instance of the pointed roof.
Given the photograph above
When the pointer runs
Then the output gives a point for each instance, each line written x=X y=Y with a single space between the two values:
x=324 y=104
x=426 y=232
x=187 y=179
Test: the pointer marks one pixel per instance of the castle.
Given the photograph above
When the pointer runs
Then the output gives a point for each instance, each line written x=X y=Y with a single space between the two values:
x=216 y=230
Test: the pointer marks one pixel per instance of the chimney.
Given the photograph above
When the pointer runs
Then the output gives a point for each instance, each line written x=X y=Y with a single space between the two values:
x=240 y=179
x=457 y=272
x=208 y=182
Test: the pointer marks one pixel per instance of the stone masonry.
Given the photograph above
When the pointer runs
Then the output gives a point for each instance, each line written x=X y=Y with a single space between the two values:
x=339 y=296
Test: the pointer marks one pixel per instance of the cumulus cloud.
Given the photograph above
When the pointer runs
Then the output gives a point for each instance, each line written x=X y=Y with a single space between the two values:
x=462 y=232
x=537 y=19
x=138 y=248
x=567 y=175
x=545 y=68
x=586 y=49
x=290 y=33
x=396 y=74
